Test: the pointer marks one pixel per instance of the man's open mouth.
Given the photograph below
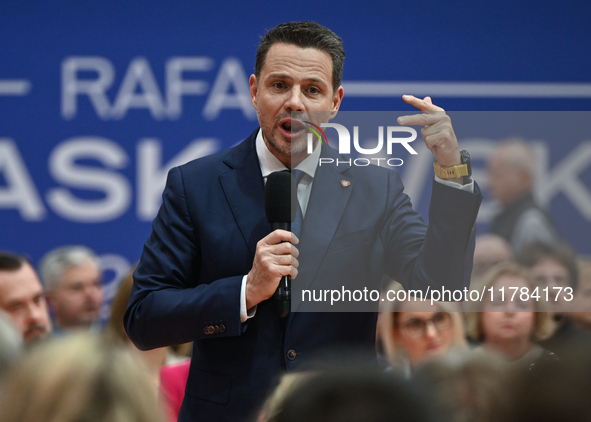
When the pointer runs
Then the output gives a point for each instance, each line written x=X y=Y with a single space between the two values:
x=293 y=126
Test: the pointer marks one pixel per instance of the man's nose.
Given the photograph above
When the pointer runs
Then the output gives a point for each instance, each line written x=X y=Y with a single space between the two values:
x=294 y=101
x=36 y=313
x=93 y=291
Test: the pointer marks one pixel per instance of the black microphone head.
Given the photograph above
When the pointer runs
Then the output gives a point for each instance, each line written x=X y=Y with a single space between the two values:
x=281 y=199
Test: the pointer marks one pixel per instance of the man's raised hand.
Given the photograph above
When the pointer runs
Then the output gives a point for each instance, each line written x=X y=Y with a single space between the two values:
x=437 y=133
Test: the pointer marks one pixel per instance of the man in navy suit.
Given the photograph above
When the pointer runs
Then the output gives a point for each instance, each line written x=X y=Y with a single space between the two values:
x=212 y=263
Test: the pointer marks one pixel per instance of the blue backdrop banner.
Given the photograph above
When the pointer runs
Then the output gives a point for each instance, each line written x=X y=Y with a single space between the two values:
x=99 y=99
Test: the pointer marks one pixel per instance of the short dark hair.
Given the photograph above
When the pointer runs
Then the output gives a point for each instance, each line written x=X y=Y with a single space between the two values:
x=11 y=262
x=305 y=34
x=561 y=252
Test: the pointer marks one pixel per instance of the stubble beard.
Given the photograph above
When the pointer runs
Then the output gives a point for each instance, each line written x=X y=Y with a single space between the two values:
x=295 y=147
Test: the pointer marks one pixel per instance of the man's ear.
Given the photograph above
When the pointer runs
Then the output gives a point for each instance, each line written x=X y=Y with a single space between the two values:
x=336 y=102
x=253 y=90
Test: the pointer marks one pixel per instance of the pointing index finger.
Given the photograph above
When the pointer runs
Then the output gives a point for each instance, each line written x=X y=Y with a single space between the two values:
x=424 y=105
x=431 y=113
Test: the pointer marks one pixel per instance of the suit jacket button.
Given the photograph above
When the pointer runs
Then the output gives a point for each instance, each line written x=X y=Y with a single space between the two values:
x=291 y=354
x=222 y=328
x=210 y=329
x=216 y=329
x=206 y=330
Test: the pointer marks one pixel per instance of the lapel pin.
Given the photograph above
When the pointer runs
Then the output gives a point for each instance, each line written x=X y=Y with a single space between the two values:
x=345 y=183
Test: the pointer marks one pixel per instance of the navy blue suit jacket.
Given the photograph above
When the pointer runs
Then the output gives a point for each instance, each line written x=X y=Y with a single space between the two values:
x=187 y=285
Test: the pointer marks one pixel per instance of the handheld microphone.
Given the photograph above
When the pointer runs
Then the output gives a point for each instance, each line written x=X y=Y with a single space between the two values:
x=281 y=204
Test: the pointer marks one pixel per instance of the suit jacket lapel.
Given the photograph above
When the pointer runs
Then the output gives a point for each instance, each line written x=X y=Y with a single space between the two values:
x=245 y=192
x=326 y=206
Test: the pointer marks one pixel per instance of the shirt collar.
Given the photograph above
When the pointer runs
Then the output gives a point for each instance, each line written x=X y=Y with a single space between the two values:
x=269 y=163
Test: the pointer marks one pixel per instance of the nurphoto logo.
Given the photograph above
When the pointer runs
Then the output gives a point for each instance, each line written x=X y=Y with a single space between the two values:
x=345 y=144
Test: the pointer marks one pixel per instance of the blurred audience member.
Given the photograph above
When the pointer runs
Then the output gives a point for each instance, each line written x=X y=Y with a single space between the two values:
x=274 y=403
x=352 y=395
x=73 y=281
x=78 y=378
x=465 y=386
x=582 y=307
x=511 y=179
x=22 y=298
x=10 y=343
x=509 y=323
x=556 y=391
x=490 y=250
x=169 y=379
x=152 y=360
x=419 y=331
x=173 y=380
x=554 y=266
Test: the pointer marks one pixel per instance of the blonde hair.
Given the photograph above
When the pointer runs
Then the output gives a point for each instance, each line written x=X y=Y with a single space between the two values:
x=393 y=350
x=78 y=378
x=543 y=325
x=275 y=401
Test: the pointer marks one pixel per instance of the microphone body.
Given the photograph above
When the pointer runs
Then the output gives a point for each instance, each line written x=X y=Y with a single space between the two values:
x=280 y=208
x=283 y=293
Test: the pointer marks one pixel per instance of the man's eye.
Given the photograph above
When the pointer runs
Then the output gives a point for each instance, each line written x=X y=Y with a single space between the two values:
x=15 y=307
x=314 y=90
x=279 y=85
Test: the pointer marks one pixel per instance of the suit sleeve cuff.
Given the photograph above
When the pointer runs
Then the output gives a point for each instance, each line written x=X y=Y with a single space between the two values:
x=468 y=187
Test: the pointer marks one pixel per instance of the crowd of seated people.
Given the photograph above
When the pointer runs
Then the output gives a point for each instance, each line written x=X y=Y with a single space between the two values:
x=440 y=361
x=61 y=316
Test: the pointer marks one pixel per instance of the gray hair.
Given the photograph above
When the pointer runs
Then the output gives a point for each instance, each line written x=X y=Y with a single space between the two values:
x=55 y=262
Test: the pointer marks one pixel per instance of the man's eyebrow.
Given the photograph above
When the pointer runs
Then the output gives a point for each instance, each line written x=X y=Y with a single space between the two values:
x=279 y=76
x=14 y=301
x=317 y=80
x=286 y=76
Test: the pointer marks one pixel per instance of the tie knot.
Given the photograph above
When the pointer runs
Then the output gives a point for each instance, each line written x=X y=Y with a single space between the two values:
x=298 y=175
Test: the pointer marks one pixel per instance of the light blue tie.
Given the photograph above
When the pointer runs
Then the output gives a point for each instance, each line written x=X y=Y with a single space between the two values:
x=296 y=226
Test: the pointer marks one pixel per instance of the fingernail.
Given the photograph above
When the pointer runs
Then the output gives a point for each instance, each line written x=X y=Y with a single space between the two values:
x=401 y=120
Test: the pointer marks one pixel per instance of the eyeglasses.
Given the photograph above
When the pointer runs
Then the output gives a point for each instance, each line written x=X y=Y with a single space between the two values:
x=417 y=327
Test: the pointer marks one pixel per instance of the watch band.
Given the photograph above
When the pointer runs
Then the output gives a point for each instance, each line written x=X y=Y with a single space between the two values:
x=454 y=172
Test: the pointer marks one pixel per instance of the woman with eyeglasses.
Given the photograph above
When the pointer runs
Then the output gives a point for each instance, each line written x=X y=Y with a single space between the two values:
x=416 y=330
x=511 y=318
